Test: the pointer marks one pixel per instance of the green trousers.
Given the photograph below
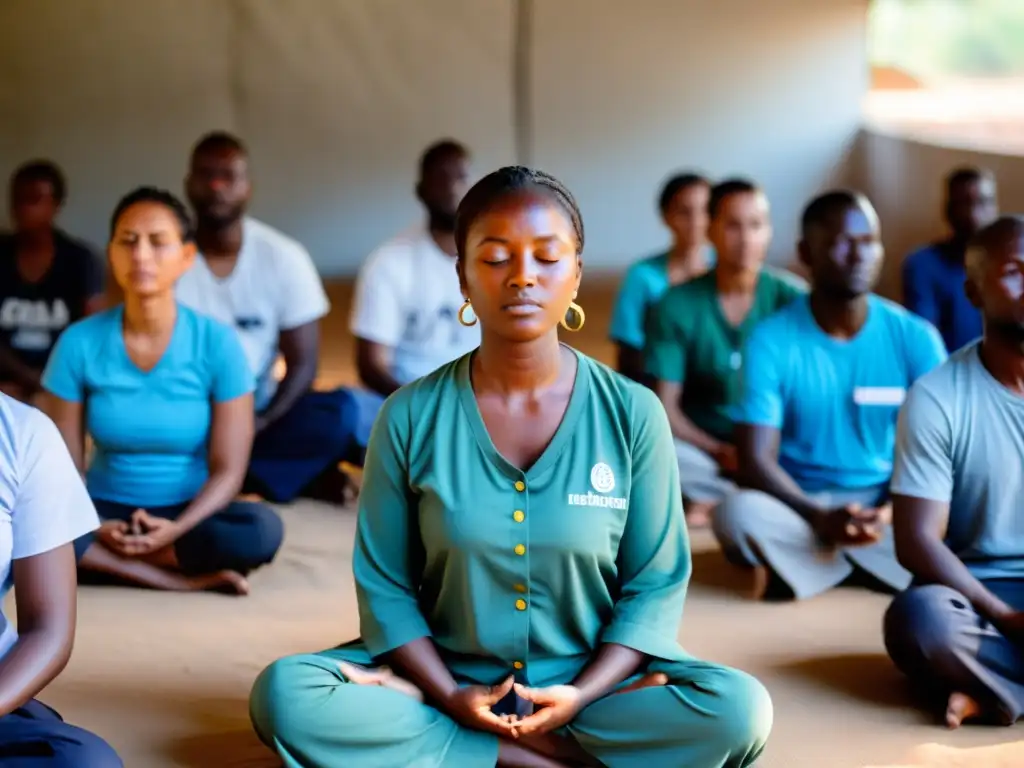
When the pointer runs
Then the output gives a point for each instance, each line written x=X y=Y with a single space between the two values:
x=708 y=716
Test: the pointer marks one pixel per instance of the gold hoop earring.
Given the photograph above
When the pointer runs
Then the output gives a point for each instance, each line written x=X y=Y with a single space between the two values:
x=462 y=314
x=576 y=310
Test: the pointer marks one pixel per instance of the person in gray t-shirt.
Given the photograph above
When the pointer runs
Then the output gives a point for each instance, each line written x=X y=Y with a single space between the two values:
x=958 y=504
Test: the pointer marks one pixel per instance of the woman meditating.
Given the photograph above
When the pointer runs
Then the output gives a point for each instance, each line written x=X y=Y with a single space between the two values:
x=166 y=395
x=521 y=557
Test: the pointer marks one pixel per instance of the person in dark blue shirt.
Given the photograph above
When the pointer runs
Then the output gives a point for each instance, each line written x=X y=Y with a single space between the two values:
x=933 y=276
x=48 y=279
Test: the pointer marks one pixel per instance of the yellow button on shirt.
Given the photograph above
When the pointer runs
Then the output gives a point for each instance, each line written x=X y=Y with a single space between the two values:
x=520 y=588
x=520 y=605
x=517 y=664
x=520 y=549
x=520 y=486
x=518 y=516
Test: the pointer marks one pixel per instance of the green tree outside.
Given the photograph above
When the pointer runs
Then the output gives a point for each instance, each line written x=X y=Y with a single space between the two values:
x=944 y=38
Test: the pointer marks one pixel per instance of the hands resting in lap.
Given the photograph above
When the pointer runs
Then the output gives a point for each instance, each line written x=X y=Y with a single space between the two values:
x=852 y=525
x=539 y=711
x=143 y=535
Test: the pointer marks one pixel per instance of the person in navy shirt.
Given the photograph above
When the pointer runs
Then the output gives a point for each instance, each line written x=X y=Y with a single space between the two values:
x=166 y=394
x=48 y=279
x=823 y=380
x=934 y=276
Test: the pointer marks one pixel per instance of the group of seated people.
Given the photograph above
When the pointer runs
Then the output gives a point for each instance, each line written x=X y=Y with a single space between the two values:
x=820 y=430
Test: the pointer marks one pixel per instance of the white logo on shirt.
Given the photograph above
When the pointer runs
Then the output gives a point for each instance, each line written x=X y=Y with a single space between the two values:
x=32 y=322
x=602 y=478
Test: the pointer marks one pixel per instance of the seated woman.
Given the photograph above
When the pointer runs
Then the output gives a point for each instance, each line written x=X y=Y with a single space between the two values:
x=43 y=508
x=521 y=557
x=166 y=395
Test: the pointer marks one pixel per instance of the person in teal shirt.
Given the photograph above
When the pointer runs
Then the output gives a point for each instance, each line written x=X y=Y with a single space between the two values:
x=683 y=204
x=166 y=395
x=823 y=381
x=695 y=345
x=521 y=559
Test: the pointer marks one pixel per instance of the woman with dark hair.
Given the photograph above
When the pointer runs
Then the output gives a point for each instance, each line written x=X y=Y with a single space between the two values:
x=166 y=395
x=521 y=556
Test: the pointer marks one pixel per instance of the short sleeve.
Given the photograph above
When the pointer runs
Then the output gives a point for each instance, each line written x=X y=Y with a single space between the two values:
x=761 y=400
x=665 y=352
x=629 y=315
x=378 y=314
x=64 y=375
x=387 y=560
x=302 y=295
x=52 y=507
x=923 y=467
x=654 y=563
x=918 y=288
x=927 y=350
x=232 y=376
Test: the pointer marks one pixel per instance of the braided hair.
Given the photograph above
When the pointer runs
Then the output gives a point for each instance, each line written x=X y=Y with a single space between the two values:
x=159 y=197
x=510 y=180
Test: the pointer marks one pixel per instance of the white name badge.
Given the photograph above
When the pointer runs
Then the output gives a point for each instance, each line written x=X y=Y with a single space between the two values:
x=879 y=395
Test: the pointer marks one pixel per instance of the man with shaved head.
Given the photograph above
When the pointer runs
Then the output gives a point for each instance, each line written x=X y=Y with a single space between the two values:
x=958 y=499
x=822 y=383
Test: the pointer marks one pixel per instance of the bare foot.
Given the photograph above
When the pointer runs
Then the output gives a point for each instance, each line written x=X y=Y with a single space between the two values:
x=960 y=708
x=228 y=582
x=698 y=514
x=383 y=677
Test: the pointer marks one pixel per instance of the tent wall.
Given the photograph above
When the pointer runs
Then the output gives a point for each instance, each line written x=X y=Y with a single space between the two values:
x=337 y=98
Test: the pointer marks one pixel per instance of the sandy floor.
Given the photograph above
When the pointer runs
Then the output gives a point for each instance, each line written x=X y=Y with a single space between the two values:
x=165 y=677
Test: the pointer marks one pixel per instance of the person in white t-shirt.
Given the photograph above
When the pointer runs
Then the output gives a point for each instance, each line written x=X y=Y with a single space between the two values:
x=44 y=507
x=265 y=285
x=407 y=299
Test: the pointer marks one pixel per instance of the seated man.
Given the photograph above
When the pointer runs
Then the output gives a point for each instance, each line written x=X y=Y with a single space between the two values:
x=405 y=315
x=823 y=382
x=683 y=205
x=933 y=276
x=957 y=489
x=48 y=280
x=264 y=284
x=697 y=332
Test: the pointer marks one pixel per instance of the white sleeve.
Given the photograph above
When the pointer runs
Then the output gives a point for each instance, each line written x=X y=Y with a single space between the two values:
x=378 y=314
x=302 y=294
x=52 y=507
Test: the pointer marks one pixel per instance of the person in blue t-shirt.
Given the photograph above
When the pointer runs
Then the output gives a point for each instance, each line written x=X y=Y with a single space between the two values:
x=933 y=276
x=166 y=394
x=684 y=209
x=823 y=380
